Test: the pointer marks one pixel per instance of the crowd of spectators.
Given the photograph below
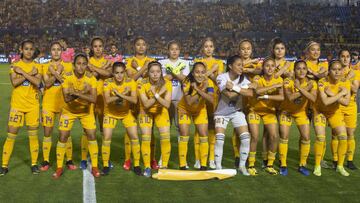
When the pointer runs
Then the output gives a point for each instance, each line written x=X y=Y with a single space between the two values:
x=120 y=21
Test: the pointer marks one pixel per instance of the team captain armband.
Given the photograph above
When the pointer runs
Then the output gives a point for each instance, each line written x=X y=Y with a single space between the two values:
x=210 y=89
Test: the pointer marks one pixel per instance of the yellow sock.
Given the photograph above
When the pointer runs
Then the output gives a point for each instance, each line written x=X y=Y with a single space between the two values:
x=304 y=152
x=8 y=148
x=350 y=148
x=46 y=148
x=271 y=158
x=127 y=147
x=212 y=140
x=197 y=145
x=165 y=148
x=60 y=153
x=334 y=147
x=84 y=147
x=319 y=148
x=34 y=146
x=283 y=150
x=342 y=149
x=252 y=159
x=135 y=146
x=152 y=147
x=235 y=144
x=145 y=150
x=204 y=150
x=183 y=147
x=93 y=150
x=69 y=149
x=105 y=152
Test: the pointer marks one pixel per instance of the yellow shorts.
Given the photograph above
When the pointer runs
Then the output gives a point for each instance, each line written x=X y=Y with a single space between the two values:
x=200 y=118
x=350 y=114
x=67 y=119
x=335 y=120
x=128 y=121
x=268 y=118
x=16 y=118
x=161 y=119
x=350 y=119
x=300 y=118
x=48 y=118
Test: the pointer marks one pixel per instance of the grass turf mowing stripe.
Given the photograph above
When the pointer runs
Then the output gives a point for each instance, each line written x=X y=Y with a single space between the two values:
x=89 y=194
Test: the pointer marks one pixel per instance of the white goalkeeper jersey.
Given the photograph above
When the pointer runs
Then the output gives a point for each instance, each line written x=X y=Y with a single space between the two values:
x=177 y=67
x=227 y=106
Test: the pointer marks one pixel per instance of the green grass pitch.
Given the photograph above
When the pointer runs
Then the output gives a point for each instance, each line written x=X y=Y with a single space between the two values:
x=20 y=185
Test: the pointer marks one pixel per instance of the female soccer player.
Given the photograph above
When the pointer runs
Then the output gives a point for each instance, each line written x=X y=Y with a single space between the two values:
x=251 y=68
x=175 y=70
x=284 y=69
x=333 y=92
x=53 y=101
x=233 y=86
x=269 y=91
x=25 y=77
x=119 y=92
x=316 y=68
x=299 y=93
x=136 y=68
x=214 y=67
x=155 y=99
x=137 y=65
x=349 y=111
x=79 y=91
x=101 y=69
x=198 y=90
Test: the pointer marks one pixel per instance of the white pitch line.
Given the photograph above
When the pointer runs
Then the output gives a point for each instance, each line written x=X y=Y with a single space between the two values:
x=89 y=194
x=5 y=83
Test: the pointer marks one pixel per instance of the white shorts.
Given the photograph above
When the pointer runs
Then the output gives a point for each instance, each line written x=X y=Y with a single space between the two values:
x=237 y=119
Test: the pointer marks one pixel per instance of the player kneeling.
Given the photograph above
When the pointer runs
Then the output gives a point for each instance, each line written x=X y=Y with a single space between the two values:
x=119 y=92
x=233 y=85
x=298 y=94
x=79 y=90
